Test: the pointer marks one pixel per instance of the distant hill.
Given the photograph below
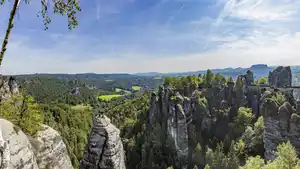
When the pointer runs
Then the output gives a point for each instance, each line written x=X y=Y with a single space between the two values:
x=259 y=70
x=78 y=76
x=106 y=82
x=150 y=80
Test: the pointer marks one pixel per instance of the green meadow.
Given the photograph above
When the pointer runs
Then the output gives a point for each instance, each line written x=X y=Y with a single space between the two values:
x=136 y=88
x=109 y=97
x=118 y=90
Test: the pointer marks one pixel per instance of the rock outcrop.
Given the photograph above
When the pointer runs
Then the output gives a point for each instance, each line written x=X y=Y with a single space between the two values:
x=207 y=115
x=18 y=145
x=20 y=151
x=281 y=77
x=8 y=86
x=4 y=152
x=105 y=148
x=50 y=150
x=281 y=125
x=171 y=113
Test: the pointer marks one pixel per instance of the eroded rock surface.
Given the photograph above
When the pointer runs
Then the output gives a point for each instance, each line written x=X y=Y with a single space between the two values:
x=281 y=77
x=20 y=151
x=281 y=125
x=104 y=149
x=50 y=150
x=8 y=86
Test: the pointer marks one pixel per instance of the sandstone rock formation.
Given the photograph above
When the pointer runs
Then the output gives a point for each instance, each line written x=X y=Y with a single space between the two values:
x=172 y=115
x=8 y=86
x=20 y=151
x=4 y=152
x=281 y=125
x=104 y=149
x=187 y=118
x=19 y=147
x=50 y=150
x=280 y=77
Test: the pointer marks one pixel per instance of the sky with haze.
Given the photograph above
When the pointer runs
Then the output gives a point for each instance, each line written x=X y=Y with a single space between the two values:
x=129 y=36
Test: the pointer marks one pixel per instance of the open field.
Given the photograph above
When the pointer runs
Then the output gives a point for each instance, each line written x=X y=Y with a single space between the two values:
x=136 y=88
x=118 y=90
x=81 y=107
x=109 y=97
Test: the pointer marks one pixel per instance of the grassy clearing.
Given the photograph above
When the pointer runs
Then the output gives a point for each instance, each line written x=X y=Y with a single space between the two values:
x=136 y=88
x=118 y=90
x=81 y=107
x=109 y=97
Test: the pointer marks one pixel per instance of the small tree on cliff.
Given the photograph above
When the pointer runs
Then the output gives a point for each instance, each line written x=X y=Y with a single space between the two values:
x=208 y=77
x=238 y=83
x=286 y=159
x=261 y=80
x=65 y=8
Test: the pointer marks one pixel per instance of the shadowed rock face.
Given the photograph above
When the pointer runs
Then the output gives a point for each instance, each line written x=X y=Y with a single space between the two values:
x=171 y=113
x=104 y=149
x=280 y=77
x=281 y=125
x=8 y=86
x=184 y=119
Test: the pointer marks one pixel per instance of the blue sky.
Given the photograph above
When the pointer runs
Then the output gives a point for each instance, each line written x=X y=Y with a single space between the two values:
x=154 y=35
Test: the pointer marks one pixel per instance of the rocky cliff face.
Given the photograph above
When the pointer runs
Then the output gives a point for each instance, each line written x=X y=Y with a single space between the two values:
x=281 y=121
x=19 y=151
x=50 y=150
x=281 y=77
x=172 y=115
x=282 y=124
x=187 y=117
x=8 y=86
x=104 y=149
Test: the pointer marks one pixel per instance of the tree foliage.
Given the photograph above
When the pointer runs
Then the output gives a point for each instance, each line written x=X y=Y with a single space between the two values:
x=23 y=112
x=65 y=8
x=261 y=81
x=286 y=159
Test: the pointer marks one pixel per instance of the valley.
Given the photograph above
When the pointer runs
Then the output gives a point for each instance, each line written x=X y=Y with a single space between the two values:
x=181 y=122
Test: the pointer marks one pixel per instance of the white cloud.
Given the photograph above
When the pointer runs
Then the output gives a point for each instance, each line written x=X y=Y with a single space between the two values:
x=260 y=10
x=282 y=50
x=266 y=32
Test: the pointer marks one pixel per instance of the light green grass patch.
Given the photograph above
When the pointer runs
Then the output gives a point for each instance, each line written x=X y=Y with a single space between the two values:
x=118 y=90
x=136 y=88
x=109 y=97
x=81 y=107
x=127 y=92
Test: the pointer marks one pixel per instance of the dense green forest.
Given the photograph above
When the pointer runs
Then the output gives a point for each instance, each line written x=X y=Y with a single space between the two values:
x=51 y=101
